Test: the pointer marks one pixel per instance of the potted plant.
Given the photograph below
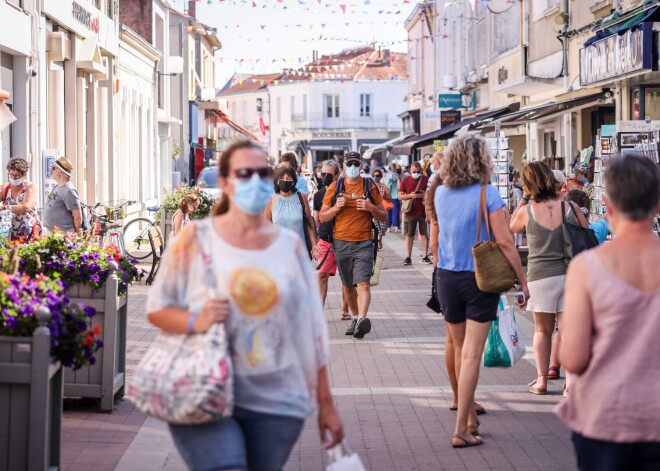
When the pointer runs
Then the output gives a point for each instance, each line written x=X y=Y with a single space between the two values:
x=40 y=330
x=97 y=277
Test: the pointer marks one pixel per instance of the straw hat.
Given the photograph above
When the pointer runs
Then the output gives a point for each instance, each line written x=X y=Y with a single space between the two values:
x=64 y=165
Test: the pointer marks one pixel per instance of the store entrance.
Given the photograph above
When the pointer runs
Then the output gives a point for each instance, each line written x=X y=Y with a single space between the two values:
x=321 y=156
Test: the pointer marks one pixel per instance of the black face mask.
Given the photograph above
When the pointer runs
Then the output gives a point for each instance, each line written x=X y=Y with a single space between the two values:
x=327 y=179
x=398 y=170
x=378 y=179
x=285 y=186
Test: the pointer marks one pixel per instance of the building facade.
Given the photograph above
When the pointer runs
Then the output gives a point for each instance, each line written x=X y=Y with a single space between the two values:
x=337 y=103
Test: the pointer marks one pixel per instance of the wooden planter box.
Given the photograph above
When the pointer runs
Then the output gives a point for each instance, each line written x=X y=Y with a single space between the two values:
x=106 y=378
x=165 y=224
x=30 y=402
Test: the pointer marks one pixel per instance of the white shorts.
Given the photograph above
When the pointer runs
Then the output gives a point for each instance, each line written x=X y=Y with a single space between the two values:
x=547 y=295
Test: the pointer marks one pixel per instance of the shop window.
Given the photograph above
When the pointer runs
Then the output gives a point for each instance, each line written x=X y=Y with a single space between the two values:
x=293 y=106
x=260 y=105
x=278 y=109
x=636 y=112
x=304 y=106
x=651 y=104
x=16 y=3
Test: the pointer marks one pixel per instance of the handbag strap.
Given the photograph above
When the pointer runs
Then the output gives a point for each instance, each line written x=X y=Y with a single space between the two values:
x=209 y=278
x=483 y=210
x=572 y=209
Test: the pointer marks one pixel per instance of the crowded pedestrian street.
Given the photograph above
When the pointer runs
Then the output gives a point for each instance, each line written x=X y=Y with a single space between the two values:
x=394 y=401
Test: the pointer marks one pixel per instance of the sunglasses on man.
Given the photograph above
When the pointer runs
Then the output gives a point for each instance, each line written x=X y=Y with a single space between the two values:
x=353 y=164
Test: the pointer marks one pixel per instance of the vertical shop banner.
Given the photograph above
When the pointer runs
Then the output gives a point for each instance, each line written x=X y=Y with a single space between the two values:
x=48 y=160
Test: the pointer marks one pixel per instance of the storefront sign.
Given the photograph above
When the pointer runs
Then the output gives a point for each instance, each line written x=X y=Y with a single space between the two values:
x=450 y=100
x=331 y=135
x=431 y=115
x=440 y=146
x=84 y=17
x=449 y=117
x=617 y=55
x=608 y=130
x=634 y=126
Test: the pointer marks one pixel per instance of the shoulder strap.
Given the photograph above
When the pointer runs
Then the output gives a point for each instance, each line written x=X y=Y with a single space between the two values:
x=201 y=232
x=339 y=188
x=4 y=198
x=572 y=210
x=304 y=211
x=418 y=184
x=483 y=210
x=368 y=185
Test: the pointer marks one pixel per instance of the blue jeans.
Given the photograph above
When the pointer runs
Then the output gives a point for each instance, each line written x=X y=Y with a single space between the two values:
x=394 y=214
x=248 y=441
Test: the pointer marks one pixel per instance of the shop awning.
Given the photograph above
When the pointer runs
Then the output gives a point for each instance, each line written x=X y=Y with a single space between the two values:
x=406 y=147
x=89 y=58
x=296 y=145
x=546 y=111
x=387 y=145
x=369 y=143
x=330 y=144
x=617 y=24
x=223 y=117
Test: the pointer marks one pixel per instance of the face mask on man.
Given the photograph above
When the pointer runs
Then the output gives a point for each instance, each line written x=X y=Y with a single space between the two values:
x=352 y=172
x=252 y=195
x=416 y=175
x=285 y=185
x=319 y=175
x=16 y=182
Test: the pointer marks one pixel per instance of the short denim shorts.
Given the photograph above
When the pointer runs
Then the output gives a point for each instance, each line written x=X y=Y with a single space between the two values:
x=247 y=441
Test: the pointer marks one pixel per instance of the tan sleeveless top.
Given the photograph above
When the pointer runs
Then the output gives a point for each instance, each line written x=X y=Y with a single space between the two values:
x=617 y=398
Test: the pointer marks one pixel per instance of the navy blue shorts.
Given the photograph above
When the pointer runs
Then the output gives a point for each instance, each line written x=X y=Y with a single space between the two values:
x=461 y=299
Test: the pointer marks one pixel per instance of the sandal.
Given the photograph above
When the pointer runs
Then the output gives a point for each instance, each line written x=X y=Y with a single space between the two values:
x=473 y=429
x=465 y=443
x=479 y=409
x=538 y=391
x=553 y=372
x=345 y=316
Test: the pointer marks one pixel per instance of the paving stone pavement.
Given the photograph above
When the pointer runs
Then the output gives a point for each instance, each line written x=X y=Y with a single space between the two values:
x=391 y=390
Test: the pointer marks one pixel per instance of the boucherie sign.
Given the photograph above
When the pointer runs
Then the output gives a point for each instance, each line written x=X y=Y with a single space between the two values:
x=617 y=55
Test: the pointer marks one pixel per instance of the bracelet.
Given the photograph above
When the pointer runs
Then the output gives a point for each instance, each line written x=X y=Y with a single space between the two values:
x=191 y=321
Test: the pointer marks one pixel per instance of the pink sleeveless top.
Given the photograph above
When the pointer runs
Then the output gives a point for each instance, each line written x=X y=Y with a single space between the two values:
x=617 y=398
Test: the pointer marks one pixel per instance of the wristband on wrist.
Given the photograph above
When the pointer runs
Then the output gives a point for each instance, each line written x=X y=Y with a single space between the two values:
x=191 y=322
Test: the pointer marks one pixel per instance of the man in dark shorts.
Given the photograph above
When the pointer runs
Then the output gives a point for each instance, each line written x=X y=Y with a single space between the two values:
x=352 y=212
x=414 y=188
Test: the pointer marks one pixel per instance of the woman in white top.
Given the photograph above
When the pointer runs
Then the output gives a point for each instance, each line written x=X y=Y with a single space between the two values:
x=265 y=286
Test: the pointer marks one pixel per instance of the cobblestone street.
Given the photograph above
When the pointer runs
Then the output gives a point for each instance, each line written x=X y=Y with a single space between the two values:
x=391 y=389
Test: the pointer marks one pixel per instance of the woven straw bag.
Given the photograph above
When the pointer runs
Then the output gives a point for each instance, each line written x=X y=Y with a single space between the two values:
x=491 y=268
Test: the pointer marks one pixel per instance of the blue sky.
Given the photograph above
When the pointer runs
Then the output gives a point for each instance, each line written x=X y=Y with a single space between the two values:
x=283 y=33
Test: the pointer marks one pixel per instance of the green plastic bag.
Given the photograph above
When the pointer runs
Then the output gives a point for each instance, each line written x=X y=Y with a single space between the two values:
x=504 y=347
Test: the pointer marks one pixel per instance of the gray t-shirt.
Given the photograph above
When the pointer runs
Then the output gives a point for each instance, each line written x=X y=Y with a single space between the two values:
x=57 y=212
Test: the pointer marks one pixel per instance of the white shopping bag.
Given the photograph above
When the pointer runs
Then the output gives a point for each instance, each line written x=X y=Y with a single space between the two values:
x=342 y=459
x=504 y=345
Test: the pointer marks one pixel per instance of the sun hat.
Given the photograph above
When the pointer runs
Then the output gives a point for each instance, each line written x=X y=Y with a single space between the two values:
x=64 y=165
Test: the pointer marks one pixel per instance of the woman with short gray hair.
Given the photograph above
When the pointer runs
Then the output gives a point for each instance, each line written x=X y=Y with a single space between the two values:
x=612 y=319
x=19 y=196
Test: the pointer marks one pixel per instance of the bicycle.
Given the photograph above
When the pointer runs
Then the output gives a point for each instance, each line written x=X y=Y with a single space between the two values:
x=109 y=223
x=136 y=233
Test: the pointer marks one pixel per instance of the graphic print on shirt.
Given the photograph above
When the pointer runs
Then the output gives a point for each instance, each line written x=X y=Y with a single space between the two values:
x=255 y=294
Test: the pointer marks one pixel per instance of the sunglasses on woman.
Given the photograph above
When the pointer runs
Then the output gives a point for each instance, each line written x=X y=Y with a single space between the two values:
x=353 y=164
x=246 y=173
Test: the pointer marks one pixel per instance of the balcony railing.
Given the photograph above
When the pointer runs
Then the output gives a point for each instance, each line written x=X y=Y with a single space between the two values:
x=345 y=121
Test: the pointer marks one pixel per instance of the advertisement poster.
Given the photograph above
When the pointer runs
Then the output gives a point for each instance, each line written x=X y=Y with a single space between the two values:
x=48 y=160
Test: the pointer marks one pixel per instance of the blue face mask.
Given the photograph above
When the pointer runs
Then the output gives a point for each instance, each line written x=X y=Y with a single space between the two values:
x=433 y=170
x=416 y=175
x=584 y=181
x=17 y=182
x=252 y=196
x=352 y=172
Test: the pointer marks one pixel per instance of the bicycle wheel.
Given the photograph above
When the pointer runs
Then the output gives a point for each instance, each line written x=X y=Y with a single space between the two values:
x=136 y=238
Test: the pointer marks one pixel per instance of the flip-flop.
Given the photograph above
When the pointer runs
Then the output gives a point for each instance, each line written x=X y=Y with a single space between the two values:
x=535 y=390
x=345 y=316
x=465 y=443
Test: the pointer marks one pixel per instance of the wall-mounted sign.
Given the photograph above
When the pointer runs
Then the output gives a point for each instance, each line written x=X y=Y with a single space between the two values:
x=450 y=100
x=331 y=135
x=449 y=117
x=617 y=56
x=608 y=130
x=48 y=160
x=440 y=146
x=431 y=115
x=634 y=126
x=502 y=75
x=84 y=17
